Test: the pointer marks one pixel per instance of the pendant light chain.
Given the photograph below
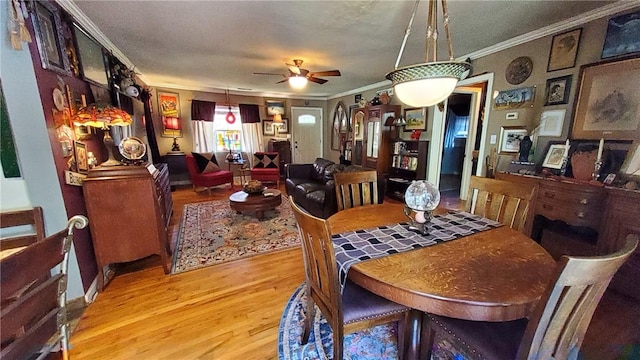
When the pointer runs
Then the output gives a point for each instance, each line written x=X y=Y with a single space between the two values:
x=445 y=15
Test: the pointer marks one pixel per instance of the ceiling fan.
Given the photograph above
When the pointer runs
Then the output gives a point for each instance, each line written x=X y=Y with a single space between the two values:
x=296 y=72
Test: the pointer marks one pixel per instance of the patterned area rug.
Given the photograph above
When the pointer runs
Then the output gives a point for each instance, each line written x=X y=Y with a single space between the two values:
x=376 y=343
x=211 y=233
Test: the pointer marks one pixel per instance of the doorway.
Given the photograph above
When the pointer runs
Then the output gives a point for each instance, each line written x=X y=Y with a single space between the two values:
x=456 y=133
x=306 y=134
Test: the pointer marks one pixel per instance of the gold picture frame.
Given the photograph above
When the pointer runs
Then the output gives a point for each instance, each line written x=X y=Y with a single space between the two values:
x=564 y=50
x=604 y=107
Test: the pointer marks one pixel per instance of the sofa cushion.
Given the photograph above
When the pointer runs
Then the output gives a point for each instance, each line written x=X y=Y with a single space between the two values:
x=319 y=166
x=308 y=187
x=206 y=162
x=317 y=196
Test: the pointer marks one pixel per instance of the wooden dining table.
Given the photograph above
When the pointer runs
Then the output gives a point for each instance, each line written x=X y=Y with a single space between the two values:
x=492 y=275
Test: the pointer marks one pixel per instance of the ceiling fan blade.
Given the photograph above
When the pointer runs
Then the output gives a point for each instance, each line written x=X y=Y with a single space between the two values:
x=316 y=80
x=327 y=73
x=263 y=73
x=281 y=81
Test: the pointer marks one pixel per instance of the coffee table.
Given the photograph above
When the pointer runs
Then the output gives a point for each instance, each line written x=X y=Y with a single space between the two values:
x=242 y=202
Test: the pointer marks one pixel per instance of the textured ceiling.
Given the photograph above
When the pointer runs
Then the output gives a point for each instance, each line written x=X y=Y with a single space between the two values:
x=213 y=45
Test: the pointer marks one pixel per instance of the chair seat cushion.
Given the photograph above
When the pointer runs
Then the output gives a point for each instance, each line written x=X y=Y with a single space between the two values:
x=220 y=174
x=491 y=340
x=359 y=304
x=265 y=171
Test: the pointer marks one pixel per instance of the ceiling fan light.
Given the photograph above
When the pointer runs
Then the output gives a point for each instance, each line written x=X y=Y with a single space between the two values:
x=298 y=82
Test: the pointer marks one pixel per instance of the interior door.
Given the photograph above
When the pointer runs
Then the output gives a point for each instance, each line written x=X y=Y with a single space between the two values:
x=306 y=135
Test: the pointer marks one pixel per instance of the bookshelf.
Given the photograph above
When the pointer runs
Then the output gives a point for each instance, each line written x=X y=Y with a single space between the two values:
x=408 y=163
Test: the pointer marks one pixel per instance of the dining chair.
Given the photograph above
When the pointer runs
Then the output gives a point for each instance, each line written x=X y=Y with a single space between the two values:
x=14 y=237
x=354 y=309
x=499 y=200
x=356 y=188
x=33 y=318
x=558 y=323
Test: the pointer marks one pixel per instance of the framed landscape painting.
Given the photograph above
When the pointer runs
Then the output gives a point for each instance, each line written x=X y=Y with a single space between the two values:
x=510 y=137
x=416 y=119
x=623 y=35
x=607 y=105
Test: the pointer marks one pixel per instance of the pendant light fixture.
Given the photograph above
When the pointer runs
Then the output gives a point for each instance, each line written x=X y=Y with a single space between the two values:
x=230 y=117
x=431 y=82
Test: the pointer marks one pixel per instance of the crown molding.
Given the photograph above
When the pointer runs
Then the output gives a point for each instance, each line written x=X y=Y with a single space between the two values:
x=570 y=23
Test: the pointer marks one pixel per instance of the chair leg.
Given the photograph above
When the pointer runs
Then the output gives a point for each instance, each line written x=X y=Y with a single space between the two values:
x=310 y=311
x=338 y=340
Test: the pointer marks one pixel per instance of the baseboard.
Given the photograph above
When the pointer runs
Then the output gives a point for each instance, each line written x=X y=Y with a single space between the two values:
x=92 y=291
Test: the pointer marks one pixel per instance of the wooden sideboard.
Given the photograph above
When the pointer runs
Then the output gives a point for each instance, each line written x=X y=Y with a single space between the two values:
x=129 y=209
x=575 y=218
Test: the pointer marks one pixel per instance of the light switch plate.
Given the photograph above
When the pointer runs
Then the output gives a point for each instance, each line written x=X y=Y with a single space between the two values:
x=494 y=139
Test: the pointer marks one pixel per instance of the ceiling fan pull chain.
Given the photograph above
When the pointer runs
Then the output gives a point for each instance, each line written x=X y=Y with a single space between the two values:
x=406 y=33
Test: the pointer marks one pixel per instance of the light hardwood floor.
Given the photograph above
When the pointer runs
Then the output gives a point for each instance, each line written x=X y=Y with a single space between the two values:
x=232 y=310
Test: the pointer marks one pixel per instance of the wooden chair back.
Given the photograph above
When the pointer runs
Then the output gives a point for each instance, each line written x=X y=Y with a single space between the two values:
x=10 y=219
x=34 y=311
x=323 y=285
x=500 y=200
x=559 y=322
x=356 y=188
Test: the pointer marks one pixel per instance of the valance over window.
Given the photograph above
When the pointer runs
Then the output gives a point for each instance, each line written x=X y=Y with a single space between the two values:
x=202 y=110
x=249 y=113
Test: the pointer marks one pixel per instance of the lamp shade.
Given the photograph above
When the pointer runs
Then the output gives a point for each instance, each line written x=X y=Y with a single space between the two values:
x=277 y=118
x=172 y=123
x=427 y=84
x=101 y=116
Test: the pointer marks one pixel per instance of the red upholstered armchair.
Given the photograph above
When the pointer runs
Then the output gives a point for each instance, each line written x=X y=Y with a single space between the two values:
x=266 y=167
x=205 y=172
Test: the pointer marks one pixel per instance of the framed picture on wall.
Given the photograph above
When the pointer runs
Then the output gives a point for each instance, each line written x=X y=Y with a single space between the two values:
x=510 y=137
x=607 y=101
x=275 y=107
x=92 y=59
x=339 y=125
x=82 y=159
x=623 y=36
x=49 y=37
x=284 y=127
x=557 y=90
x=515 y=98
x=169 y=104
x=564 y=49
x=267 y=127
x=416 y=119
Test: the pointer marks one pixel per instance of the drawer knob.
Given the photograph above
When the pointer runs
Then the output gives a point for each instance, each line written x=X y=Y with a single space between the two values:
x=580 y=215
x=549 y=194
x=584 y=201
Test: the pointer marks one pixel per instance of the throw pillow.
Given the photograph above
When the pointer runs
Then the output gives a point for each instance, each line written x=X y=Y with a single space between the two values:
x=206 y=162
x=266 y=161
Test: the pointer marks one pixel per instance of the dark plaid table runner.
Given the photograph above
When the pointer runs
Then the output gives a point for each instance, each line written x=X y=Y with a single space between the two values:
x=354 y=246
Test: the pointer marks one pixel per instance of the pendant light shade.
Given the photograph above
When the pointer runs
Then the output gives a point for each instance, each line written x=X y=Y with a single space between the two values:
x=298 y=82
x=431 y=82
x=230 y=118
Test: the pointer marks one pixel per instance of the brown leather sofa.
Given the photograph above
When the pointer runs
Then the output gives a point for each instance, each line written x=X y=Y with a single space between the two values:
x=312 y=186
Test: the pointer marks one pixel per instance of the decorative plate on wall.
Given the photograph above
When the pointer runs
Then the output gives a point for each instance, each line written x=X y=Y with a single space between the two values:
x=519 y=70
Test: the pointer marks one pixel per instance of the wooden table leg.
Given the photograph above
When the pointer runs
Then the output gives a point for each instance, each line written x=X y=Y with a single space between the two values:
x=412 y=335
x=260 y=214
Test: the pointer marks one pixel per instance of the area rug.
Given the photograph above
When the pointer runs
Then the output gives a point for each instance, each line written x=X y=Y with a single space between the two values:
x=376 y=343
x=211 y=233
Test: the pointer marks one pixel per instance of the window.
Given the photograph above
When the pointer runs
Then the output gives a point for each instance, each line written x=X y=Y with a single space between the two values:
x=219 y=134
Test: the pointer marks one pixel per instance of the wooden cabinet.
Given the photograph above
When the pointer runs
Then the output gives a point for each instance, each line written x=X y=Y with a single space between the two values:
x=353 y=145
x=621 y=219
x=370 y=140
x=283 y=147
x=177 y=165
x=408 y=163
x=580 y=219
x=129 y=209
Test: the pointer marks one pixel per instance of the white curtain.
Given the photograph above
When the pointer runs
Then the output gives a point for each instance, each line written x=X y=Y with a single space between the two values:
x=252 y=138
x=203 y=136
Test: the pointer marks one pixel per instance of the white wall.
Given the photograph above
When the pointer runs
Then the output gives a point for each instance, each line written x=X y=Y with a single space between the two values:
x=39 y=184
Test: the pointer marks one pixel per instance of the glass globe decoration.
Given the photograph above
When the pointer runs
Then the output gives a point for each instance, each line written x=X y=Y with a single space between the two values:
x=421 y=198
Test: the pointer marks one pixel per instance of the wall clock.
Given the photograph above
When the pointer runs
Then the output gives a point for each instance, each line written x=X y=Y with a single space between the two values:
x=519 y=70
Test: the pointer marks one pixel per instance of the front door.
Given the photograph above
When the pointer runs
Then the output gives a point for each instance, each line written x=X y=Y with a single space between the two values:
x=306 y=134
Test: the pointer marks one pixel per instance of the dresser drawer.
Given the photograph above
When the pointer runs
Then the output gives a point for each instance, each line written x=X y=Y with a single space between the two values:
x=571 y=195
x=570 y=213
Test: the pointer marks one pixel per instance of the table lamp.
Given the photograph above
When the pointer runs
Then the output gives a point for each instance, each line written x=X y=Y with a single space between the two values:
x=277 y=122
x=421 y=197
x=103 y=116
x=172 y=124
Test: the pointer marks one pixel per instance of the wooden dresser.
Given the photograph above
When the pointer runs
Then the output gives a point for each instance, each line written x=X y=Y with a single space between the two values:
x=580 y=219
x=283 y=147
x=129 y=209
